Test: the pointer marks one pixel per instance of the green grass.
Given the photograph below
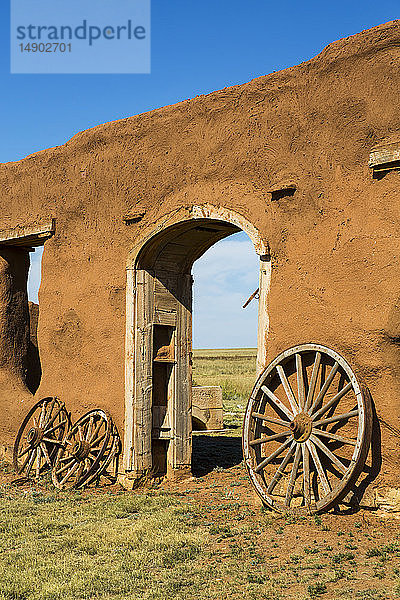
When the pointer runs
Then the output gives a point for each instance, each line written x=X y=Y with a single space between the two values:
x=235 y=371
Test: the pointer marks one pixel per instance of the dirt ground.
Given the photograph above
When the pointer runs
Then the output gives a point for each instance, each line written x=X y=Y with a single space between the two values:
x=255 y=553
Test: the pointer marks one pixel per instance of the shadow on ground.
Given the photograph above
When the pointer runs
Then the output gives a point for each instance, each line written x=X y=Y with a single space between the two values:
x=210 y=452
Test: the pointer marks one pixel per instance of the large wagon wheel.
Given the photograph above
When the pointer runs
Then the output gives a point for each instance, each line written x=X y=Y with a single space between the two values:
x=84 y=451
x=39 y=437
x=307 y=430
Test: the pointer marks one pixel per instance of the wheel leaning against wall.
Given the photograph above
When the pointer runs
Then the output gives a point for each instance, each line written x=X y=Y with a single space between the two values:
x=307 y=430
x=39 y=437
x=87 y=450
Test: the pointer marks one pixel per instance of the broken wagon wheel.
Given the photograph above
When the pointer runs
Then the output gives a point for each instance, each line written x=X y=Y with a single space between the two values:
x=307 y=430
x=83 y=451
x=39 y=437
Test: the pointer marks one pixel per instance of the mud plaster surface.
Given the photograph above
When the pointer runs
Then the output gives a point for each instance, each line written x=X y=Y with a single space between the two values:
x=334 y=242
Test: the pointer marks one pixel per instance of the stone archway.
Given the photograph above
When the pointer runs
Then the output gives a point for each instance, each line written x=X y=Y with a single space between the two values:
x=159 y=334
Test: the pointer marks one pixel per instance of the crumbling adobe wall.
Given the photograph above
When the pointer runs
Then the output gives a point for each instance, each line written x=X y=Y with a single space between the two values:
x=334 y=242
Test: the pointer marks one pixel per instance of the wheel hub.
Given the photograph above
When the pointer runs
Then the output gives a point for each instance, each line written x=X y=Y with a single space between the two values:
x=34 y=436
x=80 y=450
x=301 y=427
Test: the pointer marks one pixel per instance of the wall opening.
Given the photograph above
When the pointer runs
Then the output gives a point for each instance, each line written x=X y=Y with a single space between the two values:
x=224 y=350
x=158 y=424
x=34 y=369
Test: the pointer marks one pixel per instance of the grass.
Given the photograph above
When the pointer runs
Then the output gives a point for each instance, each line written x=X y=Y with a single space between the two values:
x=63 y=546
x=235 y=371
x=155 y=544
x=194 y=540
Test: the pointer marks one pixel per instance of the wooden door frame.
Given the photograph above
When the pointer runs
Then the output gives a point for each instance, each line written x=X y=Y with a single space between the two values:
x=132 y=467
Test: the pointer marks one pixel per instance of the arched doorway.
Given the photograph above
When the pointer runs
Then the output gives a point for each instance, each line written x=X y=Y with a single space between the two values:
x=158 y=419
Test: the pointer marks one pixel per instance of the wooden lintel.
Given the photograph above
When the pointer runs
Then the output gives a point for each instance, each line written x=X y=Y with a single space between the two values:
x=133 y=217
x=283 y=186
x=383 y=156
x=28 y=235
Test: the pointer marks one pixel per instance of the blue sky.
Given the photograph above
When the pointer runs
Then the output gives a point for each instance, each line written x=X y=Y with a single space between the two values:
x=197 y=47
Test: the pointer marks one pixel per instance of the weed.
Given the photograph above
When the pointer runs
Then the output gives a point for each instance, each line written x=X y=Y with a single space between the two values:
x=339 y=573
x=351 y=547
x=255 y=578
x=295 y=558
x=341 y=557
x=316 y=589
x=383 y=551
x=222 y=531
x=311 y=550
x=370 y=595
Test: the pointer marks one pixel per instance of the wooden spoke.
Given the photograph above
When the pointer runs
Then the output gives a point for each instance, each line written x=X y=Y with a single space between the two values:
x=272 y=456
x=336 y=418
x=269 y=438
x=334 y=436
x=88 y=431
x=57 y=413
x=49 y=412
x=98 y=440
x=301 y=390
x=38 y=455
x=45 y=453
x=276 y=402
x=320 y=470
x=332 y=401
x=66 y=466
x=31 y=461
x=24 y=464
x=313 y=380
x=288 y=389
x=293 y=475
x=53 y=429
x=324 y=388
x=306 y=475
x=95 y=432
x=303 y=451
x=42 y=415
x=70 y=473
x=39 y=437
x=52 y=441
x=21 y=454
x=270 y=419
x=329 y=454
x=281 y=468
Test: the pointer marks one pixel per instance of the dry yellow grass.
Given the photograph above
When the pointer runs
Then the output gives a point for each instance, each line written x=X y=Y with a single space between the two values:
x=235 y=371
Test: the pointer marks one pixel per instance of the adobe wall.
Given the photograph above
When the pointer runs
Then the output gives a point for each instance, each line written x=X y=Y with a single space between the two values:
x=334 y=242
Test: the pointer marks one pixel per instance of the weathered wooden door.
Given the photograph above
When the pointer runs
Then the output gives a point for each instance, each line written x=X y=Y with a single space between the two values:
x=163 y=377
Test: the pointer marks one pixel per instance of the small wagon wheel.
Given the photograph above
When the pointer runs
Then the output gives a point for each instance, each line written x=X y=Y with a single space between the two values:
x=307 y=430
x=83 y=451
x=40 y=436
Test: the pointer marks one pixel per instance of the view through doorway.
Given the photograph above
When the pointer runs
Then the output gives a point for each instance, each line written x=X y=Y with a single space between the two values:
x=224 y=343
